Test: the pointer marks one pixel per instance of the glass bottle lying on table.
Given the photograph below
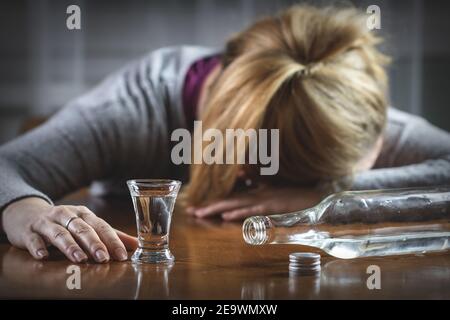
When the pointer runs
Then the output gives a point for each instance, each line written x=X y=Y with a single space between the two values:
x=355 y=224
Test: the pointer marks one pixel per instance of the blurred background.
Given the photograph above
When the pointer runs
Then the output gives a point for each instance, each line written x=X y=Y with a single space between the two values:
x=43 y=64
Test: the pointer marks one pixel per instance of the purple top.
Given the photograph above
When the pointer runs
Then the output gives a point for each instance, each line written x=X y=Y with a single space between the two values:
x=193 y=83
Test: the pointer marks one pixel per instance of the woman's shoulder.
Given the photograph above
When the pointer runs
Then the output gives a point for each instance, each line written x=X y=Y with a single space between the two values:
x=402 y=118
x=176 y=59
x=162 y=69
x=168 y=66
x=184 y=51
x=405 y=126
x=410 y=138
x=160 y=65
x=401 y=124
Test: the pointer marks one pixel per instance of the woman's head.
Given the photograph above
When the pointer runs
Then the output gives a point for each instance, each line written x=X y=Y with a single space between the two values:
x=313 y=73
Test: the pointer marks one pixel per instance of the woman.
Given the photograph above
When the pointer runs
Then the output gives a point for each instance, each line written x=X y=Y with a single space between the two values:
x=314 y=74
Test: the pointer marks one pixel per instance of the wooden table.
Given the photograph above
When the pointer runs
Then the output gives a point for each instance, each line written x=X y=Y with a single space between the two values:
x=213 y=262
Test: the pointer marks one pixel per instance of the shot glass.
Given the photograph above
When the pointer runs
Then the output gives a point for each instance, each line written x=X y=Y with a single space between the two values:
x=153 y=201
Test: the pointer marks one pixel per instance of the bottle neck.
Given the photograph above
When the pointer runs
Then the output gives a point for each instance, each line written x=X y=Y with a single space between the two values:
x=261 y=230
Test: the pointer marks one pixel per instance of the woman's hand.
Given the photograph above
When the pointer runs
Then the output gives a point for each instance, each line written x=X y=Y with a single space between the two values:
x=263 y=200
x=32 y=224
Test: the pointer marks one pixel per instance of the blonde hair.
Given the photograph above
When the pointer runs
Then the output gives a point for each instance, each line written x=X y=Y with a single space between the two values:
x=313 y=73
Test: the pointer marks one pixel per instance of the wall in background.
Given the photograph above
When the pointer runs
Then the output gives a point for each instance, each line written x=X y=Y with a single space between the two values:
x=43 y=65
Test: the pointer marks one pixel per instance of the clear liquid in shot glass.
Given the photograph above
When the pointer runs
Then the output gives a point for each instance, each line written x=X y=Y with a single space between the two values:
x=153 y=218
x=153 y=202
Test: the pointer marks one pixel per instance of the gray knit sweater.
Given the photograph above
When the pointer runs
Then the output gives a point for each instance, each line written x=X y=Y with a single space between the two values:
x=121 y=129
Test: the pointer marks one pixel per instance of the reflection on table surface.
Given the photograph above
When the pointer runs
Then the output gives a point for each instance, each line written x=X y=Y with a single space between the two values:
x=213 y=262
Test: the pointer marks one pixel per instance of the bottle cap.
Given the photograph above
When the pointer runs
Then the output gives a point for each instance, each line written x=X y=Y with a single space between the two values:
x=304 y=262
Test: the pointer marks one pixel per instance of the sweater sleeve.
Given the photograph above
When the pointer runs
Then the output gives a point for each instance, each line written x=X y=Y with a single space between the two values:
x=415 y=153
x=93 y=137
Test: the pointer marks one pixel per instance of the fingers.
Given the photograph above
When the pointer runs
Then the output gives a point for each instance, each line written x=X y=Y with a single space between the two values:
x=86 y=236
x=130 y=242
x=74 y=230
x=88 y=231
x=82 y=232
x=107 y=235
x=240 y=214
x=36 y=246
x=222 y=206
x=58 y=236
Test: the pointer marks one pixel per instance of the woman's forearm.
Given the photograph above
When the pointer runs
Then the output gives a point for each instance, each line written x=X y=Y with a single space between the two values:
x=428 y=173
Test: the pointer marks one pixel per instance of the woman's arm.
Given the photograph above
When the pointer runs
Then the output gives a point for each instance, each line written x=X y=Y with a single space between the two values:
x=94 y=137
x=415 y=153
x=58 y=157
x=106 y=133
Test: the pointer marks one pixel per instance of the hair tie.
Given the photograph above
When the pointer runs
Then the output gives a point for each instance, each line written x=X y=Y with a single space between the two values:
x=309 y=69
